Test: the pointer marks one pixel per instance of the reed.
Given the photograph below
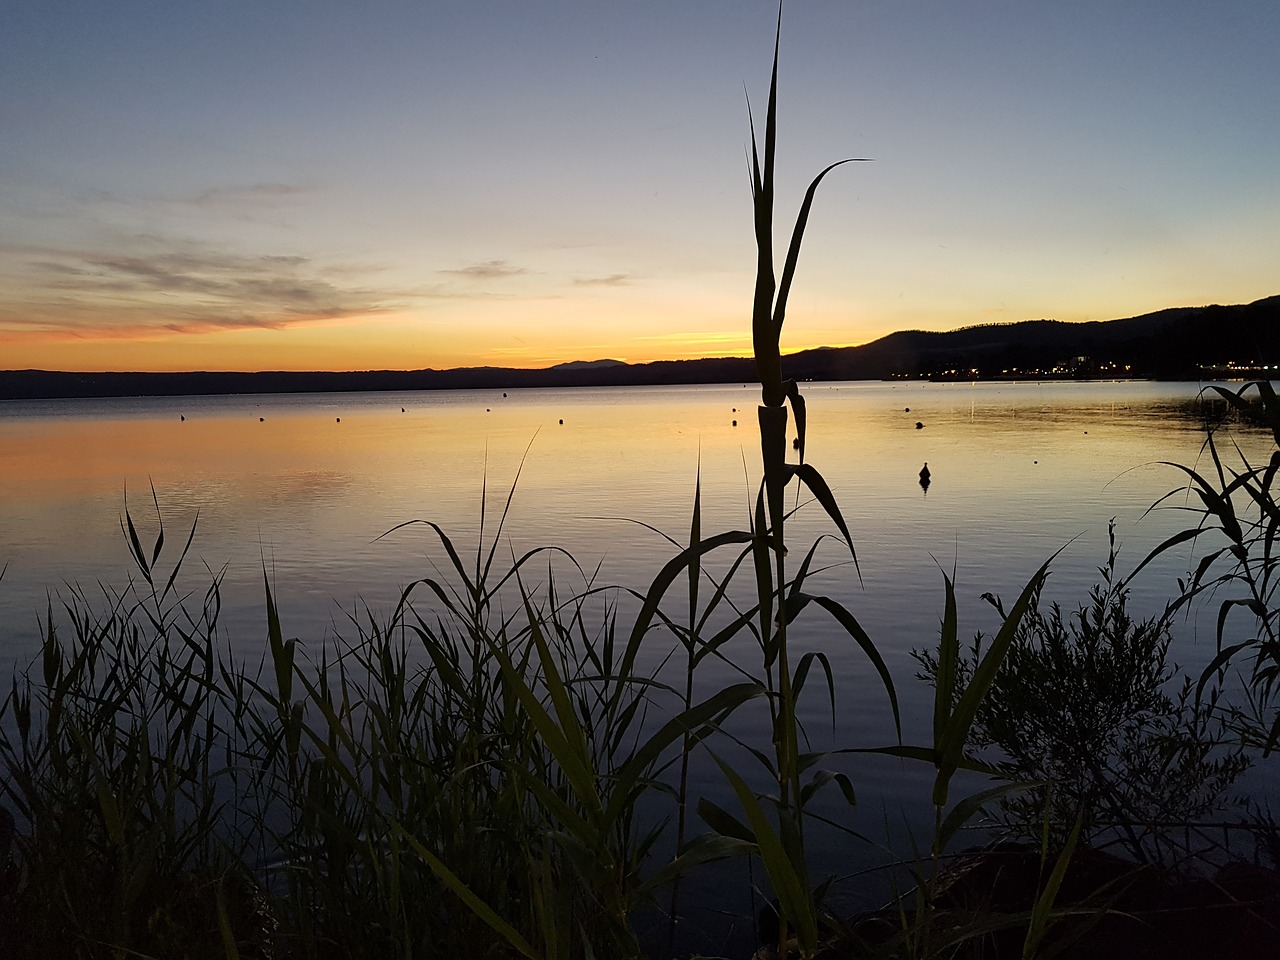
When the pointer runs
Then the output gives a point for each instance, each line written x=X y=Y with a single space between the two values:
x=460 y=780
x=116 y=747
x=777 y=835
x=1235 y=517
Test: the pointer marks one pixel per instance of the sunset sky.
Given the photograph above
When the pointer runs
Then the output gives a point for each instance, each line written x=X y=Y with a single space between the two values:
x=337 y=185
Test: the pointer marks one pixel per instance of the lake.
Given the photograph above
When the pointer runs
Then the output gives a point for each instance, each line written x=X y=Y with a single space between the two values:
x=306 y=485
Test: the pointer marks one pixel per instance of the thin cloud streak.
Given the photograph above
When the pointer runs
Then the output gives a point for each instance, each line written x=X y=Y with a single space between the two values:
x=245 y=193
x=488 y=270
x=613 y=280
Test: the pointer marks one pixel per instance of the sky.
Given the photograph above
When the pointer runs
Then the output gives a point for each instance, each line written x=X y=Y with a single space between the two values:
x=284 y=185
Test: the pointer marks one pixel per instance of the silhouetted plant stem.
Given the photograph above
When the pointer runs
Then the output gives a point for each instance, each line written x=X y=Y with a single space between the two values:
x=775 y=606
x=686 y=743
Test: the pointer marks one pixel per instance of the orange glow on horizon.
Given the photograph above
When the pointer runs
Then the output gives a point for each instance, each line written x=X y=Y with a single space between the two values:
x=126 y=356
x=523 y=334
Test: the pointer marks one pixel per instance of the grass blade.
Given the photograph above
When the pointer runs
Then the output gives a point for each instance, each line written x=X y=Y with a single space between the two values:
x=956 y=735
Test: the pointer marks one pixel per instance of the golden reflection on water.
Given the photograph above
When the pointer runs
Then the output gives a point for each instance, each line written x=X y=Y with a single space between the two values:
x=1017 y=472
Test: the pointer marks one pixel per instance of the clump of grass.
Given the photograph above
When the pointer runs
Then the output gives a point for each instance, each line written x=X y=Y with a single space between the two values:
x=115 y=747
x=459 y=780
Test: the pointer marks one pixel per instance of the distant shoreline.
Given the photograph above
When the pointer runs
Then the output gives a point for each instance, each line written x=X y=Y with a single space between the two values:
x=113 y=391
x=1182 y=343
x=51 y=385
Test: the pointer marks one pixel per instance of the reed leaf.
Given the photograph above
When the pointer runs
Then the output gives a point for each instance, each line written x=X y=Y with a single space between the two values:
x=956 y=732
x=855 y=630
x=1042 y=910
x=788 y=883
x=944 y=682
x=797 y=237
x=812 y=479
x=965 y=809
x=464 y=893
x=709 y=713
x=723 y=822
x=660 y=584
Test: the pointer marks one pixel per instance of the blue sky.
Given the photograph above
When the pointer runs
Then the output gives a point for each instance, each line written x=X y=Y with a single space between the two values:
x=332 y=185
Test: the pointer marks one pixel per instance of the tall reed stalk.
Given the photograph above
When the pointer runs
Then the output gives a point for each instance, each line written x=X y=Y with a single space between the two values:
x=787 y=867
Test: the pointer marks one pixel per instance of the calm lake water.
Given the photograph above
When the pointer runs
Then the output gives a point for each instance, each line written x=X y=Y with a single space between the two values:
x=1019 y=471
x=306 y=484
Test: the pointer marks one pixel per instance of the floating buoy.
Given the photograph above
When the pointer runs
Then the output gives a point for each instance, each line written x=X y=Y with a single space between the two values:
x=262 y=419
x=562 y=423
x=735 y=423
x=919 y=425
x=906 y=409
x=924 y=473
x=337 y=419
x=181 y=417
x=402 y=409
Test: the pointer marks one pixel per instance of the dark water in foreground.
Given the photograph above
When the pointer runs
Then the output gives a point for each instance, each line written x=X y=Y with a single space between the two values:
x=305 y=484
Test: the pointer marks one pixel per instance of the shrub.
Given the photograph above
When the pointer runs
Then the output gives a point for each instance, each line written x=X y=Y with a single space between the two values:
x=1082 y=708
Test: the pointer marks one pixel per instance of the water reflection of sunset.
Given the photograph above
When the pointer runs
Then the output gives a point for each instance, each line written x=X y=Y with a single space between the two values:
x=314 y=482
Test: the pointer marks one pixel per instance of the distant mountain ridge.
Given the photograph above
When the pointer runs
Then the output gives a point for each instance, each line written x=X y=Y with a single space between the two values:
x=1181 y=343
x=587 y=364
x=1176 y=344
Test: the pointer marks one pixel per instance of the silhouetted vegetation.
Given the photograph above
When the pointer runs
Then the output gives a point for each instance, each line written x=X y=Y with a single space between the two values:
x=1237 y=517
x=1088 y=708
x=487 y=772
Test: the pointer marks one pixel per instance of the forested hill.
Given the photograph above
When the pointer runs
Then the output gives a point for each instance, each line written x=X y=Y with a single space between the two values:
x=1177 y=344
x=1181 y=343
